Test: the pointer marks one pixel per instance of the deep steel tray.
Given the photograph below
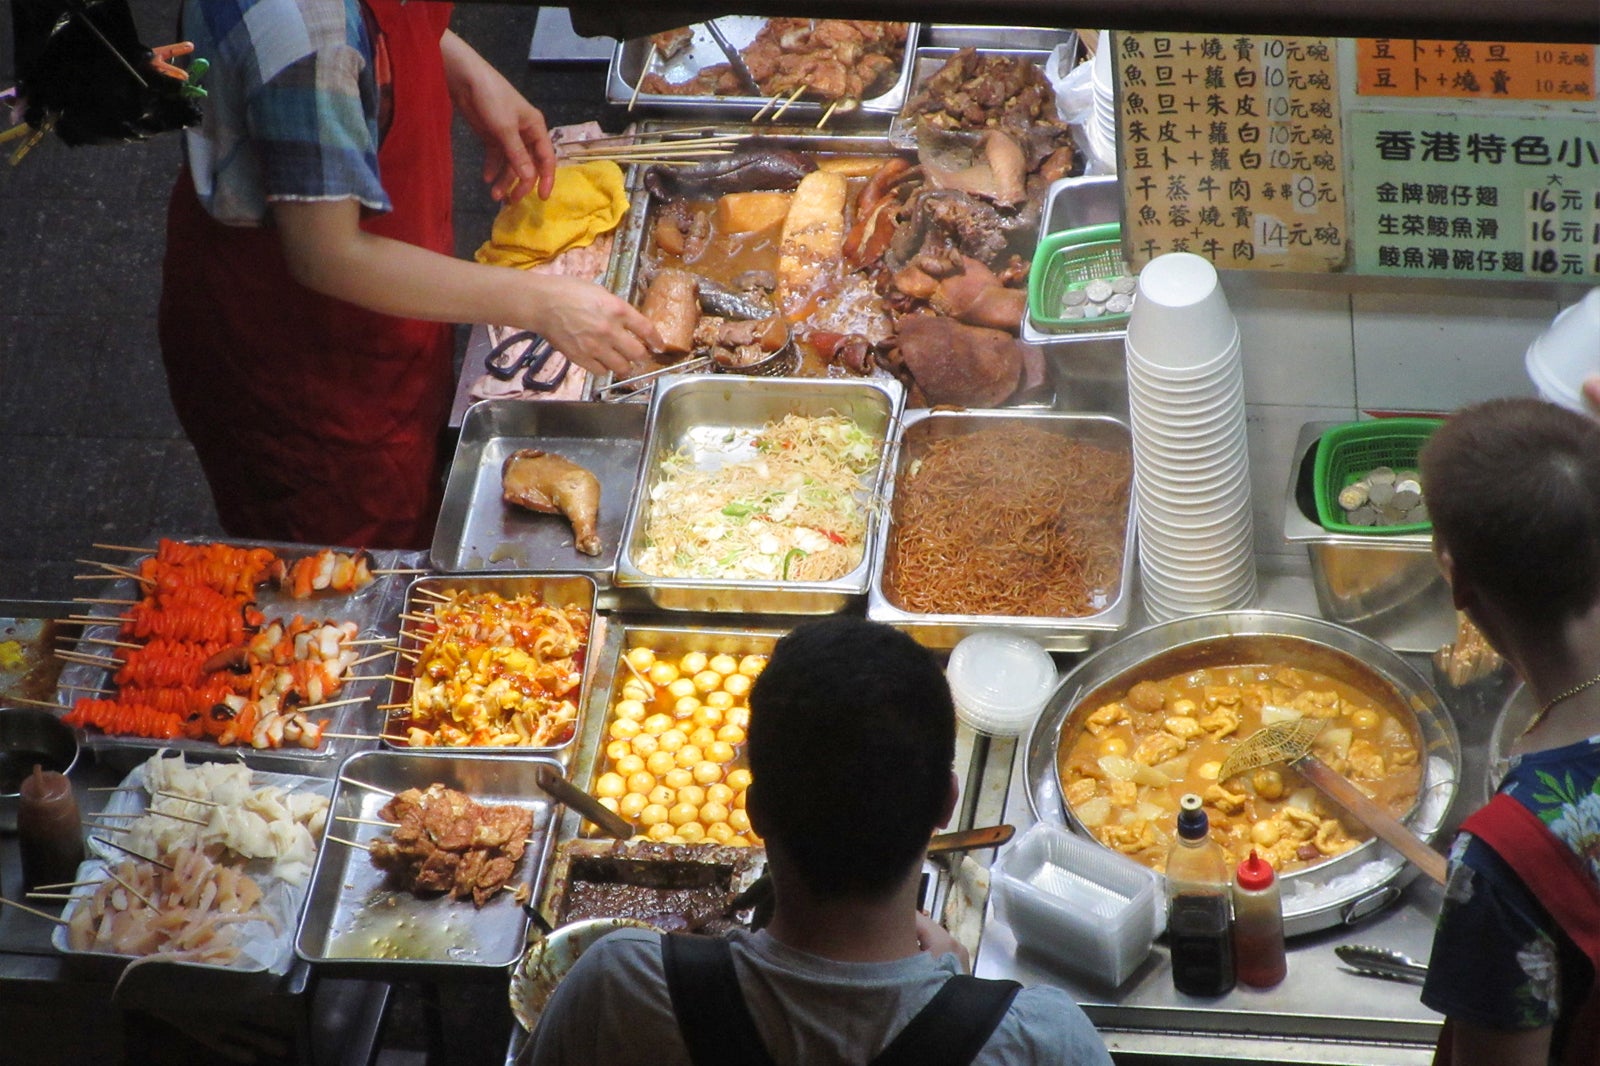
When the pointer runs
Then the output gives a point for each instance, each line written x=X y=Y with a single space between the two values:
x=478 y=531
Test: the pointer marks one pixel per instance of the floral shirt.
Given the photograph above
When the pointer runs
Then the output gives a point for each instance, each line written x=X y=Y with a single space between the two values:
x=1499 y=960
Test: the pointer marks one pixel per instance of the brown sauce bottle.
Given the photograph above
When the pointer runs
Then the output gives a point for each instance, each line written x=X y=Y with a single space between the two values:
x=48 y=829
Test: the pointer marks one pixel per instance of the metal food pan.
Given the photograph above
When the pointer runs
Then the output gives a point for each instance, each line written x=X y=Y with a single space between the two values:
x=478 y=531
x=1071 y=203
x=930 y=60
x=697 y=415
x=354 y=922
x=628 y=66
x=372 y=609
x=944 y=631
x=954 y=35
x=558 y=589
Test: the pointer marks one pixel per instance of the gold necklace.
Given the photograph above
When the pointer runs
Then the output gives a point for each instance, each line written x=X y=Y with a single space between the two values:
x=1567 y=695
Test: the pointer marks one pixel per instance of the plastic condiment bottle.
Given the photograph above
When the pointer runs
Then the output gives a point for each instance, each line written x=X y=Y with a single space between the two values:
x=48 y=829
x=1199 y=906
x=1258 y=950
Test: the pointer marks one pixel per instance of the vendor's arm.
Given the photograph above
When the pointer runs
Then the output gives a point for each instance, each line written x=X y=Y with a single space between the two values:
x=518 y=154
x=328 y=252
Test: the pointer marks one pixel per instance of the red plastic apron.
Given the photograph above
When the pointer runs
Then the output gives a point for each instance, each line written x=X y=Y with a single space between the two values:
x=315 y=420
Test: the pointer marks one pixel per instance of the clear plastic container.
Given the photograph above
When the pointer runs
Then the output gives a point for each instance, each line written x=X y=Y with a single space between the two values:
x=1084 y=908
x=999 y=681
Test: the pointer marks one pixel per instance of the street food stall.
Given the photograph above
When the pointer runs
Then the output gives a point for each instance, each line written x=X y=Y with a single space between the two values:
x=907 y=375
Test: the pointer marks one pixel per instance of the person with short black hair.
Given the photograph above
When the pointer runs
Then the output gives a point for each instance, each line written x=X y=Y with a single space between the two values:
x=851 y=748
x=1513 y=489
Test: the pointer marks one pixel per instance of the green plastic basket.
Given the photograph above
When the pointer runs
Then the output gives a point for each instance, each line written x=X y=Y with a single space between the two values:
x=1347 y=453
x=1070 y=260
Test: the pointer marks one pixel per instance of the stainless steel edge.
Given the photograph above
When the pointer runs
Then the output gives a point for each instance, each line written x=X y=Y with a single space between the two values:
x=944 y=631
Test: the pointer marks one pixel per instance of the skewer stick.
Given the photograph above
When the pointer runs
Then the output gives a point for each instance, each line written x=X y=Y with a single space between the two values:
x=38 y=703
x=650 y=57
x=418 y=637
x=664 y=146
x=363 y=640
x=364 y=736
x=103 y=640
x=105 y=827
x=416 y=618
x=399 y=570
x=334 y=703
x=370 y=659
x=114 y=788
x=786 y=104
x=91 y=599
x=402 y=680
x=140 y=896
x=32 y=911
x=177 y=817
x=122 y=571
x=367 y=821
x=95 y=619
x=90 y=689
x=673 y=132
x=639 y=677
x=435 y=594
x=826 y=115
x=122 y=548
x=64 y=884
x=768 y=106
x=59 y=895
x=186 y=799
x=347 y=843
x=363 y=784
x=88 y=658
x=130 y=851
x=393 y=707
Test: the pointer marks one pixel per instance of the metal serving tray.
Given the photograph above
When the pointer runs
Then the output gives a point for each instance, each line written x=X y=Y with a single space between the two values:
x=559 y=589
x=698 y=415
x=478 y=531
x=373 y=609
x=357 y=924
x=963 y=35
x=944 y=631
x=1086 y=200
x=930 y=60
x=628 y=66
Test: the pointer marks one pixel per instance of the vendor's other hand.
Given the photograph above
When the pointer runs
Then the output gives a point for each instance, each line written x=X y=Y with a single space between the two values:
x=936 y=940
x=517 y=152
x=592 y=326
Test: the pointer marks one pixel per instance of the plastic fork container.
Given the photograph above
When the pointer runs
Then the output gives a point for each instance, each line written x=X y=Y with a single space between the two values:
x=1075 y=903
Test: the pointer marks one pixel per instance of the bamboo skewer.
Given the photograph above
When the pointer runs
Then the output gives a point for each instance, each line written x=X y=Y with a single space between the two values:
x=639 y=677
x=365 y=736
x=36 y=894
x=135 y=854
x=105 y=827
x=650 y=57
x=363 y=784
x=369 y=659
x=121 y=548
x=333 y=703
x=674 y=132
x=88 y=658
x=91 y=599
x=187 y=799
x=402 y=680
x=176 y=817
x=826 y=115
x=114 y=788
x=399 y=570
x=665 y=145
x=90 y=689
x=38 y=703
x=366 y=821
x=435 y=595
x=33 y=911
x=103 y=640
x=347 y=843
x=140 y=896
x=362 y=641
x=768 y=106
x=786 y=104
x=64 y=884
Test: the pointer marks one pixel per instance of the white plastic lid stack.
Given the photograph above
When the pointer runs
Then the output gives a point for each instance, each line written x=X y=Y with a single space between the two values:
x=1568 y=351
x=999 y=681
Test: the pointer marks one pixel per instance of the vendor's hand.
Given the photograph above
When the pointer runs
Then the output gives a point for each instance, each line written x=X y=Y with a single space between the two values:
x=936 y=940
x=595 y=328
x=518 y=154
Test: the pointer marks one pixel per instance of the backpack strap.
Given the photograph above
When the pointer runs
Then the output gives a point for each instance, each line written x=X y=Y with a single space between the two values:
x=712 y=1015
x=954 y=1026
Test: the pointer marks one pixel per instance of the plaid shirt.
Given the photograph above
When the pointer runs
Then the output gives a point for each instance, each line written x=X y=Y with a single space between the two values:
x=293 y=105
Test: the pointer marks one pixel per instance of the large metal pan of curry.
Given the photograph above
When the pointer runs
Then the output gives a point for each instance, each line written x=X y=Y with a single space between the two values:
x=1153 y=716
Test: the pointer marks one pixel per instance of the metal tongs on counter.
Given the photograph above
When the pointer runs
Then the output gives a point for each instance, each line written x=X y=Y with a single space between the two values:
x=1381 y=962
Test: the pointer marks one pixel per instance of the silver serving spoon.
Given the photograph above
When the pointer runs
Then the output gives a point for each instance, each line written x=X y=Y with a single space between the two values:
x=1381 y=962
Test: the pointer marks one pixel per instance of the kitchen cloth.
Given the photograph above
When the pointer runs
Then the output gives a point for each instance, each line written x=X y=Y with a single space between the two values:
x=588 y=200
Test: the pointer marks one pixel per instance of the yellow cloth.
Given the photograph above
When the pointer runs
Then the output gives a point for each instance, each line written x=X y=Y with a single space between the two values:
x=588 y=200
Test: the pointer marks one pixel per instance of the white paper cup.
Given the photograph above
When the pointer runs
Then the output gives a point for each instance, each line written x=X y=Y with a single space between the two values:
x=1157 y=366
x=1181 y=318
x=1566 y=353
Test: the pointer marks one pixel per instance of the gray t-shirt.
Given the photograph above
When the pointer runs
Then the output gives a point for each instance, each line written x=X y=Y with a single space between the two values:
x=614 y=1008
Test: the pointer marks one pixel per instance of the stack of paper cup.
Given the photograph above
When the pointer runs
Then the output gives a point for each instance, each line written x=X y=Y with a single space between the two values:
x=1102 y=122
x=1561 y=357
x=1191 y=466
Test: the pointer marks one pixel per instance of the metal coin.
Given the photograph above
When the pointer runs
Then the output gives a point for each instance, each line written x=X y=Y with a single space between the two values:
x=1405 y=498
x=1353 y=496
x=1124 y=285
x=1382 y=475
x=1118 y=304
x=1380 y=493
x=1093 y=311
x=1364 y=515
x=1074 y=298
x=1099 y=290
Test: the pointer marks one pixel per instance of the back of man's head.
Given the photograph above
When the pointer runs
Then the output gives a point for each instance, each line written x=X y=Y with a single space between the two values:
x=852 y=738
x=1513 y=489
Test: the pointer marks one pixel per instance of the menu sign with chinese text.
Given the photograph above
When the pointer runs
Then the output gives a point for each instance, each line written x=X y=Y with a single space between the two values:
x=1231 y=147
x=1485 y=196
x=1475 y=70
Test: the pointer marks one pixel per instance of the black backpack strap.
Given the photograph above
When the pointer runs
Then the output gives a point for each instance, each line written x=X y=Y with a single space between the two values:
x=954 y=1026
x=712 y=1015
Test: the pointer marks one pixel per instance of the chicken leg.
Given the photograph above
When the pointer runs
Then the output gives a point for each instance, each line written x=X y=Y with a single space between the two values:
x=545 y=482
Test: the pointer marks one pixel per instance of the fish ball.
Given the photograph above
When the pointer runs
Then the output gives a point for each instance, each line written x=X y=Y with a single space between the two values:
x=692 y=794
x=672 y=740
x=677 y=778
x=708 y=772
x=752 y=665
x=724 y=664
x=718 y=793
x=645 y=745
x=1114 y=746
x=739 y=779
x=731 y=733
x=660 y=762
x=632 y=805
x=682 y=687
x=629 y=764
x=1363 y=717
x=623 y=729
x=663 y=674
x=657 y=724
x=633 y=689
x=686 y=707
x=609 y=803
x=721 y=699
x=616 y=749
x=719 y=832
x=610 y=786
x=663 y=796
x=707 y=681
x=739 y=716
x=692 y=663
x=739 y=820
x=692 y=832
x=737 y=686
x=719 y=751
x=631 y=709
x=661 y=831
x=641 y=659
x=641 y=781
x=707 y=715
x=682 y=814
x=688 y=755
x=711 y=813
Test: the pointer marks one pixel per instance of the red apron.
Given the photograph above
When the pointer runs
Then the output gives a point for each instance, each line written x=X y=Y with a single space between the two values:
x=315 y=420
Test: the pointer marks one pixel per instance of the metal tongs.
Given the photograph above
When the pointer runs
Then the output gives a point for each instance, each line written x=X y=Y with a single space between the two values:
x=735 y=59
x=1381 y=962
x=615 y=390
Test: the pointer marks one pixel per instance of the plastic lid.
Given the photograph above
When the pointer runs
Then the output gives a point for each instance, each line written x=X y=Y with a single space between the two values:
x=1255 y=873
x=1192 y=821
x=999 y=681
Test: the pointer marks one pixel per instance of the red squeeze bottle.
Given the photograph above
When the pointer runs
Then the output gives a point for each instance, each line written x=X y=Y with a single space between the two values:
x=48 y=829
x=1258 y=951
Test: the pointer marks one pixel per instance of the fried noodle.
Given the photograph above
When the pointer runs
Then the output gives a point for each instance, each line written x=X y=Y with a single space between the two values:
x=1009 y=521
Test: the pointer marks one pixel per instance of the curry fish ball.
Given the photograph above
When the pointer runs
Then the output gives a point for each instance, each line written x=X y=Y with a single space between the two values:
x=739 y=779
x=662 y=832
x=737 y=686
x=692 y=832
x=719 y=793
x=629 y=764
x=724 y=664
x=707 y=681
x=657 y=724
x=663 y=674
x=752 y=665
x=688 y=755
x=719 y=751
x=707 y=716
x=677 y=778
x=692 y=794
x=703 y=737
x=631 y=709
x=1268 y=784
x=707 y=772
x=672 y=739
x=732 y=734
x=609 y=803
x=645 y=745
x=662 y=795
x=1363 y=717
x=632 y=805
x=682 y=687
x=738 y=716
x=641 y=781
x=720 y=832
x=712 y=813
x=633 y=689
x=739 y=820
x=721 y=699
x=692 y=663
x=616 y=749
x=641 y=658
x=660 y=762
x=610 y=785
x=1114 y=746
x=624 y=729
x=682 y=814
x=686 y=707
x=738 y=841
